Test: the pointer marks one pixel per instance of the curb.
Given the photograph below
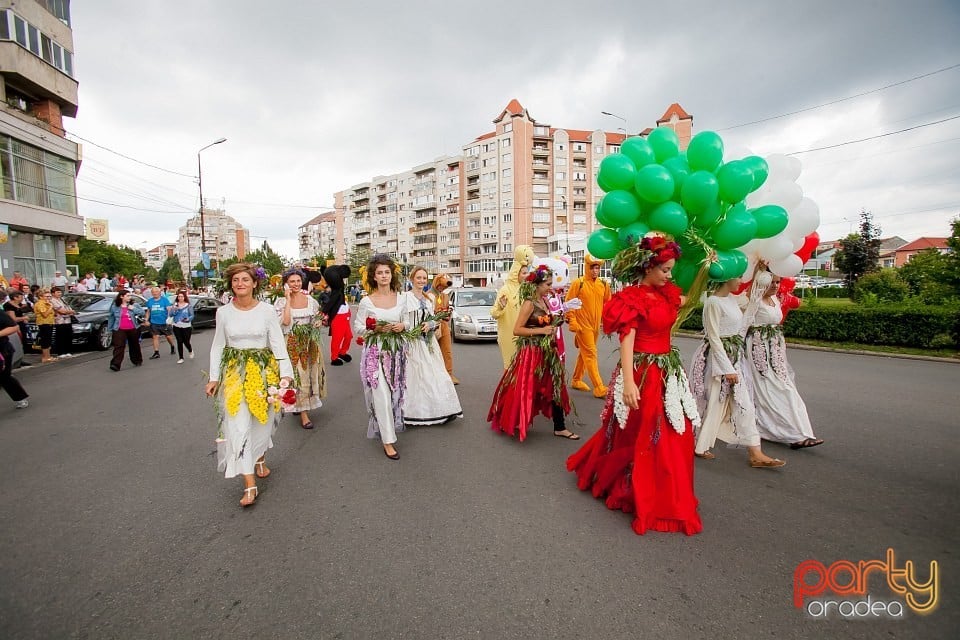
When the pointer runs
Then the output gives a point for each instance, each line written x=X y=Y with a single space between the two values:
x=857 y=352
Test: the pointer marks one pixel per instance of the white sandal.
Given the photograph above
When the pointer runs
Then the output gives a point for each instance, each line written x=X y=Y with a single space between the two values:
x=261 y=463
x=255 y=494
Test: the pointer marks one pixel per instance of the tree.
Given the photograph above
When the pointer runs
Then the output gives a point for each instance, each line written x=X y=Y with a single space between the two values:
x=99 y=257
x=170 y=270
x=859 y=253
x=356 y=259
x=884 y=285
x=934 y=277
x=270 y=260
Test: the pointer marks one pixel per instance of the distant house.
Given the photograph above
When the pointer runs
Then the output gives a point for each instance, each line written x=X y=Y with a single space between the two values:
x=888 y=248
x=903 y=254
x=824 y=257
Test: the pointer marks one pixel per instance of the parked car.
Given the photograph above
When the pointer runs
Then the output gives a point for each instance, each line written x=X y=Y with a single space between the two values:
x=90 y=323
x=470 y=313
x=204 y=311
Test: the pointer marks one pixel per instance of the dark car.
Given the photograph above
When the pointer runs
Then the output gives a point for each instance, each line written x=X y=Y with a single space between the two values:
x=90 y=323
x=204 y=311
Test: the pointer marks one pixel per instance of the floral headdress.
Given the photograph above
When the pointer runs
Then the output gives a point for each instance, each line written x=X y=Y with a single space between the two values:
x=261 y=278
x=630 y=264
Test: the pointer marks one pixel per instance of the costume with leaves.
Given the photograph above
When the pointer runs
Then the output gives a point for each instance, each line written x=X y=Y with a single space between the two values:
x=304 y=346
x=640 y=461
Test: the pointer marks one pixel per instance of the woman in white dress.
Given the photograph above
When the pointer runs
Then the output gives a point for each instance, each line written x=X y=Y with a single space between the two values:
x=247 y=358
x=381 y=320
x=781 y=413
x=430 y=397
x=719 y=384
x=301 y=323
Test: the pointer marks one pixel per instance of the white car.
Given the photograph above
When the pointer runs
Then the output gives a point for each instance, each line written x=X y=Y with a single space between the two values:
x=470 y=313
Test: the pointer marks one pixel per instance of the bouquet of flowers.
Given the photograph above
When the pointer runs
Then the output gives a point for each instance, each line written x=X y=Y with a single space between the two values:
x=282 y=397
x=386 y=340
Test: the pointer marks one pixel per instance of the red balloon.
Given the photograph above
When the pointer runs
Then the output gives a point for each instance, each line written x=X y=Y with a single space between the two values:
x=809 y=244
x=743 y=287
x=786 y=285
x=788 y=301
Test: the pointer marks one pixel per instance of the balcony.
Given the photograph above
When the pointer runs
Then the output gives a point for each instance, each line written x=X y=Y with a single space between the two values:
x=423 y=206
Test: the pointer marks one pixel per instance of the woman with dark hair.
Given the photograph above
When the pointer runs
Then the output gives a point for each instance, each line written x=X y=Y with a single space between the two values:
x=337 y=312
x=300 y=321
x=9 y=327
x=181 y=320
x=124 y=321
x=14 y=308
x=535 y=379
x=248 y=360
x=63 y=324
x=641 y=459
x=380 y=318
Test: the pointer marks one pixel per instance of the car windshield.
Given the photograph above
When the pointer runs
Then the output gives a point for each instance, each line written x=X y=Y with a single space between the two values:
x=475 y=299
x=88 y=302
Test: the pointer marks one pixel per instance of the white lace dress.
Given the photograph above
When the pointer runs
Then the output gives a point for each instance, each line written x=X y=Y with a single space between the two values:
x=245 y=438
x=781 y=413
x=726 y=410
x=430 y=397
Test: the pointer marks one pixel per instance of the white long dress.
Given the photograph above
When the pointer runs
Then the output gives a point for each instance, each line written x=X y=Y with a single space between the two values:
x=726 y=410
x=431 y=397
x=383 y=373
x=245 y=437
x=781 y=413
x=311 y=374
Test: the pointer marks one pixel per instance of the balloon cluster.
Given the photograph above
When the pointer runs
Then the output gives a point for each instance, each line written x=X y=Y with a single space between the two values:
x=726 y=216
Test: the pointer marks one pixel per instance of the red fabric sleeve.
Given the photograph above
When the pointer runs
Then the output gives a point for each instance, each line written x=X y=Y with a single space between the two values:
x=625 y=310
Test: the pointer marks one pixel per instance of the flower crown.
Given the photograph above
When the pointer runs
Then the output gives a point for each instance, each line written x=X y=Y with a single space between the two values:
x=538 y=275
x=630 y=264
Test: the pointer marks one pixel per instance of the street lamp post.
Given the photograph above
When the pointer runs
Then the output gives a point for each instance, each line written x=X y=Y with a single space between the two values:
x=613 y=115
x=203 y=231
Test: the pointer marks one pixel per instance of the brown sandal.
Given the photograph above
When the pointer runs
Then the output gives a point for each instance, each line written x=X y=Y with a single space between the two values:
x=706 y=455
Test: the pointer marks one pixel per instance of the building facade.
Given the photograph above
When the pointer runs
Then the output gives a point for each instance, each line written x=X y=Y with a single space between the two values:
x=38 y=206
x=158 y=255
x=224 y=236
x=318 y=237
x=525 y=182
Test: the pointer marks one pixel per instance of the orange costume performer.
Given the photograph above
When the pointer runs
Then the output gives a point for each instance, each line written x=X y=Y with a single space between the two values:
x=441 y=302
x=506 y=308
x=585 y=324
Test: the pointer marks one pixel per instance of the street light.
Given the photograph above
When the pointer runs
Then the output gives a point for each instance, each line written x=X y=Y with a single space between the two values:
x=203 y=231
x=613 y=115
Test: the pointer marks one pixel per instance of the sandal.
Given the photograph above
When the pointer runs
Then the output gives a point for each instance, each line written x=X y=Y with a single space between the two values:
x=569 y=435
x=245 y=502
x=706 y=455
x=261 y=468
x=773 y=463
x=804 y=444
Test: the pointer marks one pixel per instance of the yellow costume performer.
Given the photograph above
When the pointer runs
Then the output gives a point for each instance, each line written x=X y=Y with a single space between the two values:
x=441 y=302
x=585 y=324
x=507 y=306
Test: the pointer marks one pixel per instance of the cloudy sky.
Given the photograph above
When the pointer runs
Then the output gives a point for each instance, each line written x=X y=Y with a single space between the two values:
x=314 y=97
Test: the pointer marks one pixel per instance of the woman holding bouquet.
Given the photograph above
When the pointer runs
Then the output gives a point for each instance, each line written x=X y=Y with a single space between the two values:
x=534 y=381
x=301 y=322
x=381 y=318
x=430 y=397
x=248 y=361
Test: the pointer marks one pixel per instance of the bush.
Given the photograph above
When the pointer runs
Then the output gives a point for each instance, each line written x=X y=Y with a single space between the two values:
x=885 y=284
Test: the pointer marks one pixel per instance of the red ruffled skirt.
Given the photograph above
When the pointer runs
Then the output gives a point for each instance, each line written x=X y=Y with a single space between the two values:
x=522 y=394
x=647 y=467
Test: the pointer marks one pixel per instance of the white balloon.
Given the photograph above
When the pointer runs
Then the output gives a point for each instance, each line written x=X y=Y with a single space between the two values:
x=797 y=243
x=786 y=267
x=759 y=197
x=736 y=152
x=751 y=267
x=803 y=218
x=778 y=166
x=776 y=248
x=787 y=194
x=794 y=168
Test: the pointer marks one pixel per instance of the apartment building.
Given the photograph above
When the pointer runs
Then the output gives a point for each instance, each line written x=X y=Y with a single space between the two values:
x=318 y=237
x=38 y=206
x=225 y=238
x=525 y=182
x=156 y=256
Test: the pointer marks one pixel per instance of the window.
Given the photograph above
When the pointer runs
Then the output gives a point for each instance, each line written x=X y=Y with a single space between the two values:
x=507 y=173
x=508 y=217
x=541 y=233
x=560 y=162
x=505 y=143
x=34 y=39
x=507 y=248
x=20 y=28
x=4 y=25
x=507 y=128
x=541 y=188
x=507 y=157
x=541 y=217
x=579 y=176
x=34 y=176
x=579 y=219
x=559 y=146
x=559 y=176
x=540 y=130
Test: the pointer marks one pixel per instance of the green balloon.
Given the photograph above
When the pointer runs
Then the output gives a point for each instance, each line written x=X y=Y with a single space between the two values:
x=617 y=171
x=603 y=244
x=664 y=142
x=620 y=208
x=684 y=273
x=760 y=170
x=638 y=150
x=709 y=216
x=632 y=233
x=670 y=218
x=736 y=181
x=699 y=191
x=680 y=170
x=771 y=220
x=705 y=151
x=654 y=183
x=736 y=229
x=603 y=185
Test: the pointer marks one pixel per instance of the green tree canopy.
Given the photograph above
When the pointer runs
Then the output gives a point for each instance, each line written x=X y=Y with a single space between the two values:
x=99 y=257
x=267 y=258
x=171 y=270
x=859 y=252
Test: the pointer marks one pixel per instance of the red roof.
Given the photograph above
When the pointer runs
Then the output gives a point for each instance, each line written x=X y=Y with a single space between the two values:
x=674 y=110
x=486 y=135
x=925 y=243
x=615 y=138
x=513 y=108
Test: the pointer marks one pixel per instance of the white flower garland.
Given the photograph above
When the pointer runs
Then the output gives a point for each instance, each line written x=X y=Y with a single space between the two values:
x=620 y=409
x=672 y=404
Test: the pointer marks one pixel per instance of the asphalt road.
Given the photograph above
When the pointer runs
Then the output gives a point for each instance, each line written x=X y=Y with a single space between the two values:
x=117 y=525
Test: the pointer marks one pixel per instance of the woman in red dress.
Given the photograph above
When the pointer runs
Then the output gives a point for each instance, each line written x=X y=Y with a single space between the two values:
x=535 y=380
x=641 y=459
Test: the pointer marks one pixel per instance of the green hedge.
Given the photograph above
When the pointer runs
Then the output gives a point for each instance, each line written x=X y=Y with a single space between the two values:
x=915 y=326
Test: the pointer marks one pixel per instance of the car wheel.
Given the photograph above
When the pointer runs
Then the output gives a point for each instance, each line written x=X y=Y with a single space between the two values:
x=103 y=337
